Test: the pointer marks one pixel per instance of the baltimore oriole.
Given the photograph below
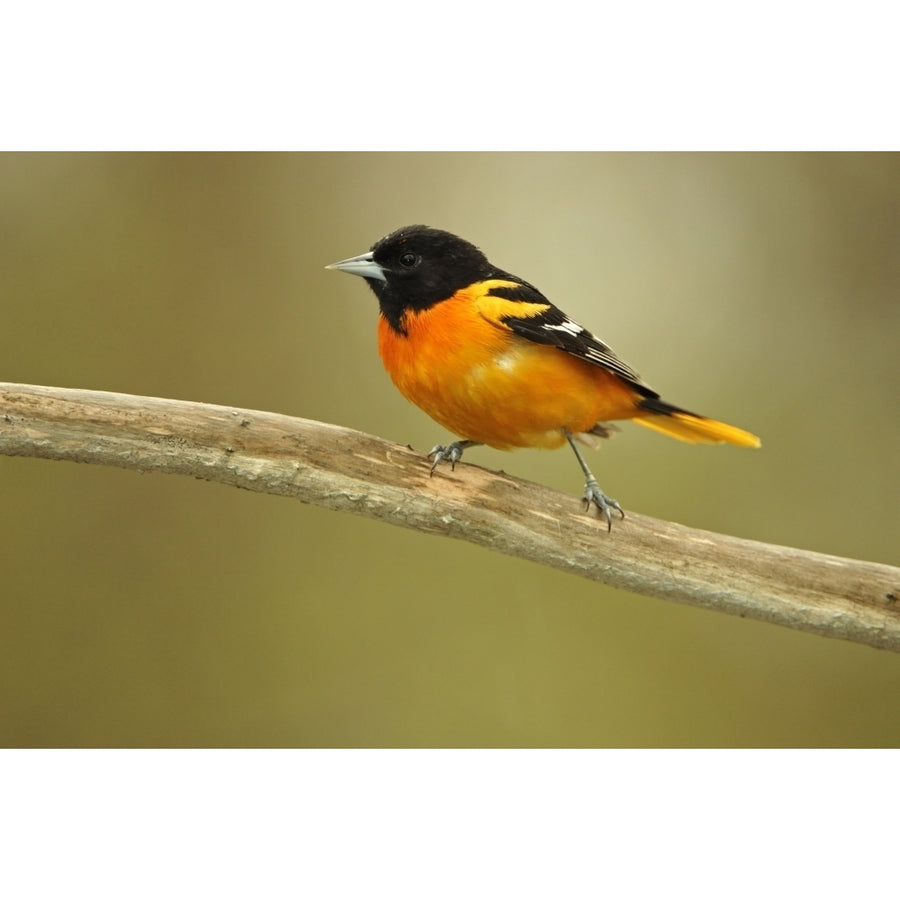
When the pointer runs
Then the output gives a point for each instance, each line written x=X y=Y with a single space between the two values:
x=490 y=358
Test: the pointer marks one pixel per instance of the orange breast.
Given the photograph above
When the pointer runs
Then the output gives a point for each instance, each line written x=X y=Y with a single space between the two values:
x=486 y=384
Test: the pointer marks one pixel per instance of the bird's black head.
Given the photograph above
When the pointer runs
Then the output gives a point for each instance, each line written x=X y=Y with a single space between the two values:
x=416 y=267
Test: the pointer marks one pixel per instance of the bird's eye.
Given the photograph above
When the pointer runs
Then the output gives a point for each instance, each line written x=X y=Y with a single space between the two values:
x=408 y=259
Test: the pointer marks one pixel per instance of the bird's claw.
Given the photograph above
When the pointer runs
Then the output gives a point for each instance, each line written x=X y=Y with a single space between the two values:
x=593 y=494
x=451 y=453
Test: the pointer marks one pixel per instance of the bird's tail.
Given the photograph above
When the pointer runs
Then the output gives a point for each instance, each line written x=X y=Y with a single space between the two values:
x=687 y=426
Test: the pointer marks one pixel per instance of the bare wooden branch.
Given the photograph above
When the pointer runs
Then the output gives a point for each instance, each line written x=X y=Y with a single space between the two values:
x=346 y=470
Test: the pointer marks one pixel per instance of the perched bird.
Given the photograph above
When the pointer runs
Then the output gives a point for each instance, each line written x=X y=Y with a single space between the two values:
x=490 y=358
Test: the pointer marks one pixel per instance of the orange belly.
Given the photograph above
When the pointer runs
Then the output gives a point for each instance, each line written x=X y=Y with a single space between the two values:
x=495 y=387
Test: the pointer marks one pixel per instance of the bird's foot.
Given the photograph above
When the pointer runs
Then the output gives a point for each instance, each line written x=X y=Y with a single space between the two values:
x=593 y=495
x=451 y=453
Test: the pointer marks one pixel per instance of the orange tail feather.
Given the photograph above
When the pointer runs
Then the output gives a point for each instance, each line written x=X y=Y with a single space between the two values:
x=687 y=426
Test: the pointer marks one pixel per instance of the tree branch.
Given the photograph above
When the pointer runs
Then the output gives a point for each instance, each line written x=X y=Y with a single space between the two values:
x=346 y=470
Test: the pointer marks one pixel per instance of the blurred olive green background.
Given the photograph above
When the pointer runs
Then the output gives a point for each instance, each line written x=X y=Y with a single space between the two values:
x=160 y=611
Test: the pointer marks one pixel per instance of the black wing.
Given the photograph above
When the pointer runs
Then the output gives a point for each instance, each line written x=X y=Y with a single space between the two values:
x=552 y=326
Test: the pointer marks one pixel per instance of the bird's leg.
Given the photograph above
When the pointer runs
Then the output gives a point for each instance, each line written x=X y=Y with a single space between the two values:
x=592 y=492
x=452 y=453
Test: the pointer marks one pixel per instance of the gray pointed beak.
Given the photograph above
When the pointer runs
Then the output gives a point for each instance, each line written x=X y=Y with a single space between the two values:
x=364 y=266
